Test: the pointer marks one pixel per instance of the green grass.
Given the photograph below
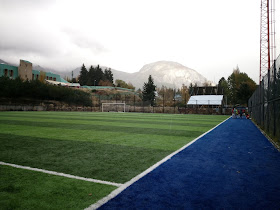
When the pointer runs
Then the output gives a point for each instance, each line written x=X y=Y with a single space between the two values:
x=23 y=189
x=107 y=162
x=107 y=146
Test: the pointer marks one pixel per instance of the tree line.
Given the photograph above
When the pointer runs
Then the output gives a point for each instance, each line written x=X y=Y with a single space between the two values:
x=95 y=76
x=238 y=87
x=15 y=89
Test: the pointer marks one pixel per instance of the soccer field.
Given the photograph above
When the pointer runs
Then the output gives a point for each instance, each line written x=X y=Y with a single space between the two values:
x=113 y=147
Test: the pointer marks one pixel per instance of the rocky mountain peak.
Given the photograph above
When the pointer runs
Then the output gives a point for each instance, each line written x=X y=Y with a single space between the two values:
x=171 y=74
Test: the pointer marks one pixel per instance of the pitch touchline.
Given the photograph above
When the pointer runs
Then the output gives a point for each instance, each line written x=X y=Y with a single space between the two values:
x=62 y=174
x=135 y=179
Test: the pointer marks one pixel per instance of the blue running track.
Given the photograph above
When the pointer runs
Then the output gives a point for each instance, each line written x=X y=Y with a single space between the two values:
x=232 y=167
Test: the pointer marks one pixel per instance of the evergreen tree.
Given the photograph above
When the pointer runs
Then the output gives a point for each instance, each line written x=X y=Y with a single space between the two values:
x=223 y=87
x=109 y=75
x=91 y=78
x=99 y=75
x=83 y=75
x=149 y=90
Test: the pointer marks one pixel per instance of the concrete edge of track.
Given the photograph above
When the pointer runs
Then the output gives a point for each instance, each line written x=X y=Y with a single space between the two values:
x=116 y=192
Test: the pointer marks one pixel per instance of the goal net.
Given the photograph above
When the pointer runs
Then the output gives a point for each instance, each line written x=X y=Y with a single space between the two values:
x=114 y=107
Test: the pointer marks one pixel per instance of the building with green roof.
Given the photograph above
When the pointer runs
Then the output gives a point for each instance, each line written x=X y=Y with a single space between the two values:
x=25 y=71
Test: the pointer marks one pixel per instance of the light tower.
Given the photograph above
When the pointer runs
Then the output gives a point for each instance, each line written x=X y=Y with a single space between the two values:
x=267 y=36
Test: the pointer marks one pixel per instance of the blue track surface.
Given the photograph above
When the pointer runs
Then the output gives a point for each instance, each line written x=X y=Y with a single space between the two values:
x=232 y=167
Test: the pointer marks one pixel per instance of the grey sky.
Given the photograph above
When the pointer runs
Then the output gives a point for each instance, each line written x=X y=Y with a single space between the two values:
x=212 y=37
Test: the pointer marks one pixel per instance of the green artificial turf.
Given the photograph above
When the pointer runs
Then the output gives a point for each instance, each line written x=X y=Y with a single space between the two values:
x=108 y=146
x=23 y=189
x=107 y=162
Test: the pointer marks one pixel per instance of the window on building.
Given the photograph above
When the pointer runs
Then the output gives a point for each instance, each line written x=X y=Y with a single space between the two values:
x=11 y=73
x=47 y=77
x=54 y=79
x=32 y=76
x=37 y=76
x=6 y=72
x=50 y=78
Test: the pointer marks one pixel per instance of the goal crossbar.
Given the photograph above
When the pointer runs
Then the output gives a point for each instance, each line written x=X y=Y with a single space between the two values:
x=115 y=105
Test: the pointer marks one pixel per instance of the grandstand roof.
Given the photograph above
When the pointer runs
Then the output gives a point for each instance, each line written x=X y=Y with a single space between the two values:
x=206 y=100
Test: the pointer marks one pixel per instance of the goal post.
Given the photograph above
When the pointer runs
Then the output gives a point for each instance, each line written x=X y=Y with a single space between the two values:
x=114 y=107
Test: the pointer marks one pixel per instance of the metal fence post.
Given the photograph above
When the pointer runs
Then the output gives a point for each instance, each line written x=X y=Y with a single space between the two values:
x=275 y=95
x=268 y=100
x=265 y=102
x=262 y=102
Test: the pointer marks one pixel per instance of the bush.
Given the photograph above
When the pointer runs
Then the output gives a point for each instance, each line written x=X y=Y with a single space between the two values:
x=15 y=89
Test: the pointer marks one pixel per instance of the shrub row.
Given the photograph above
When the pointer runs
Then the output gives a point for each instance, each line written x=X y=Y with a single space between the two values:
x=15 y=89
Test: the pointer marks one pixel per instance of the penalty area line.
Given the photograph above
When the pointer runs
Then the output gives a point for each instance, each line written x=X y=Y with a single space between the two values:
x=61 y=174
x=139 y=176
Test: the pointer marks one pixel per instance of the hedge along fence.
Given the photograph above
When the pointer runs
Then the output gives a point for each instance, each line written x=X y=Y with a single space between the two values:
x=36 y=90
x=22 y=108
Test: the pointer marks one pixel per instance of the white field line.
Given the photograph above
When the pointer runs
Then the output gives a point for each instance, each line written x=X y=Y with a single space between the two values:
x=61 y=174
x=139 y=176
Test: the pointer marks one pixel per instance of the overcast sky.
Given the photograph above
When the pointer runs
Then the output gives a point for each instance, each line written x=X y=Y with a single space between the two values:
x=212 y=37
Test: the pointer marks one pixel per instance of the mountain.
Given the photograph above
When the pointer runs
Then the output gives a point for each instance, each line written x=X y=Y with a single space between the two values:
x=167 y=73
x=4 y=62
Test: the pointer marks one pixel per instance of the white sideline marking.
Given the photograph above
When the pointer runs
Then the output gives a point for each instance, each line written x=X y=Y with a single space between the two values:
x=61 y=174
x=139 y=176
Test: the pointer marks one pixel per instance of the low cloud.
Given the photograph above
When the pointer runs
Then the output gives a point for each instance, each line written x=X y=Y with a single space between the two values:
x=84 y=40
x=26 y=4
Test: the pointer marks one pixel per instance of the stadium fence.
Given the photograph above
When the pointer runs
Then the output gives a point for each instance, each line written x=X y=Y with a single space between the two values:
x=264 y=104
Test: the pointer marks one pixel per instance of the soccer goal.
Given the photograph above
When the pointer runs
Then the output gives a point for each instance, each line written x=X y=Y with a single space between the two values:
x=114 y=107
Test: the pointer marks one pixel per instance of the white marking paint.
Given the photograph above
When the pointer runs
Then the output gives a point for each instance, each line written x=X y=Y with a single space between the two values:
x=136 y=178
x=62 y=174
